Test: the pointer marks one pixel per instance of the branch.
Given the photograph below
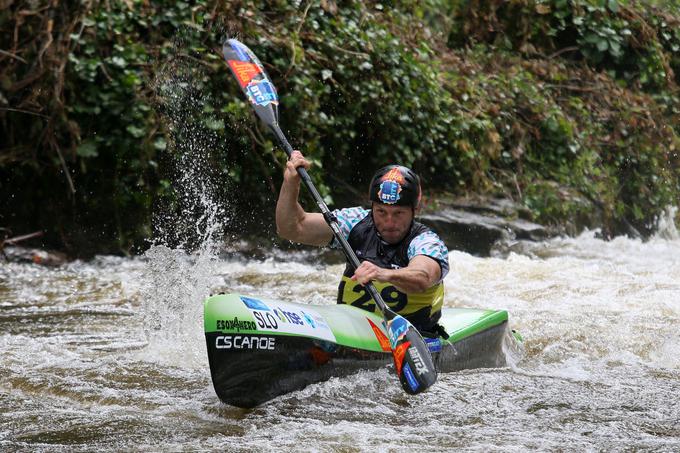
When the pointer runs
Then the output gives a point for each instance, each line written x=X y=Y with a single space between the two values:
x=11 y=55
x=28 y=112
x=561 y=51
x=25 y=237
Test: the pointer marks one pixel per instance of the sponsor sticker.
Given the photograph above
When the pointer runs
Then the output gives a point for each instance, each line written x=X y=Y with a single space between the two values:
x=417 y=360
x=319 y=322
x=389 y=192
x=288 y=318
x=398 y=355
x=394 y=175
x=396 y=329
x=433 y=344
x=266 y=320
x=245 y=342
x=241 y=51
x=235 y=324
x=262 y=93
x=309 y=320
x=382 y=339
x=245 y=72
x=390 y=187
x=254 y=304
x=410 y=378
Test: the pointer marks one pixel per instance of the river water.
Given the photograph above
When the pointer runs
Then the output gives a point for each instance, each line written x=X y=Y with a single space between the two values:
x=109 y=355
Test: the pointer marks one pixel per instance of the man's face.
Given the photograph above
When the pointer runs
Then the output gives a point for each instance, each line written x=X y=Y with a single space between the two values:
x=392 y=222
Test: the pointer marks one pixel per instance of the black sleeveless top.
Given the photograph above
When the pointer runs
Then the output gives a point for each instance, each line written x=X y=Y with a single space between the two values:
x=369 y=246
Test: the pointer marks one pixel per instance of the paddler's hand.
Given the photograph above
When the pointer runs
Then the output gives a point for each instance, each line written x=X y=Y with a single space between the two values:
x=368 y=271
x=296 y=160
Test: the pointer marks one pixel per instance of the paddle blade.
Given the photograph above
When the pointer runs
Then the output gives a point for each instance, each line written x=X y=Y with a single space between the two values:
x=412 y=358
x=253 y=79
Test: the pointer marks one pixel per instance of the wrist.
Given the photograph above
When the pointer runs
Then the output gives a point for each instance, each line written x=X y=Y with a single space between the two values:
x=384 y=275
x=291 y=177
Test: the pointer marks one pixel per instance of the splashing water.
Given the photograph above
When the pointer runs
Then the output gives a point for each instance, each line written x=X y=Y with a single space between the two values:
x=188 y=229
x=192 y=217
x=665 y=225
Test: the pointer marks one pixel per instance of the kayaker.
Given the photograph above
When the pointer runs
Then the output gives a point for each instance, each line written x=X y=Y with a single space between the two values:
x=405 y=260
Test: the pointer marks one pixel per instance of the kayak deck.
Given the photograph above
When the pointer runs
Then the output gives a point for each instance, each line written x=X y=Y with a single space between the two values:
x=259 y=349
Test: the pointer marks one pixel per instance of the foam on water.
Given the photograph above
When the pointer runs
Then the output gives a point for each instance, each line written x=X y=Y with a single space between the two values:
x=665 y=225
x=598 y=319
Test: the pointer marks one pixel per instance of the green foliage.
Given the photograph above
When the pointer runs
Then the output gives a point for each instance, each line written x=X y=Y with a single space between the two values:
x=575 y=129
x=568 y=106
x=633 y=41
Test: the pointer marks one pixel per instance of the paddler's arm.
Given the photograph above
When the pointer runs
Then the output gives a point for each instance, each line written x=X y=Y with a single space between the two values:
x=292 y=222
x=421 y=273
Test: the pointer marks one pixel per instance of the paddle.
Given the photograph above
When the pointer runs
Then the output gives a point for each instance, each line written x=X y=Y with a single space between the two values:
x=412 y=358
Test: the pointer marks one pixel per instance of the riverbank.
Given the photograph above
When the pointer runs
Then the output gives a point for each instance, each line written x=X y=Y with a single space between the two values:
x=569 y=109
x=479 y=227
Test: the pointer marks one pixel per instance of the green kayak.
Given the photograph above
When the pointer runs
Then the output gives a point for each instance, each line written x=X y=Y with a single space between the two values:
x=259 y=349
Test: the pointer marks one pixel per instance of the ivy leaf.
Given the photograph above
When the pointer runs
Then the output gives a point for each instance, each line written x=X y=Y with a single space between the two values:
x=602 y=45
x=613 y=6
x=87 y=149
x=591 y=38
x=136 y=132
x=160 y=144
x=118 y=61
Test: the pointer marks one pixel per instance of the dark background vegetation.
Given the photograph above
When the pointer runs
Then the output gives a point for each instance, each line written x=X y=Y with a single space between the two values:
x=568 y=107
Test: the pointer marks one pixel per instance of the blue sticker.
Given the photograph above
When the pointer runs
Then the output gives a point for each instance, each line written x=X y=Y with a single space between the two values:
x=396 y=328
x=389 y=192
x=309 y=320
x=261 y=92
x=240 y=51
x=254 y=304
x=433 y=344
x=410 y=378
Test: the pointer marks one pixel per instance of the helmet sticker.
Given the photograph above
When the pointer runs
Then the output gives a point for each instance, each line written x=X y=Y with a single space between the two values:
x=394 y=175
x=389 y=192
x=395 y=185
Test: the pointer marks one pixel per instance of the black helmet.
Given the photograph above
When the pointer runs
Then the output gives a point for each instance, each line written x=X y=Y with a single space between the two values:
x=395 y=185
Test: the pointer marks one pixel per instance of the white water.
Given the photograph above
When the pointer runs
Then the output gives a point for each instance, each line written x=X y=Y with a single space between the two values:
x=601 y=370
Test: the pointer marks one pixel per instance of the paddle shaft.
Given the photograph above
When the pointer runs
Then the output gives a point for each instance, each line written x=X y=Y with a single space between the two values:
x=330 y=219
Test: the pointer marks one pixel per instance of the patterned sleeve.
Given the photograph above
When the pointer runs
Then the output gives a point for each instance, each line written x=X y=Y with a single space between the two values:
x=347 y=219
x=429 y=244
